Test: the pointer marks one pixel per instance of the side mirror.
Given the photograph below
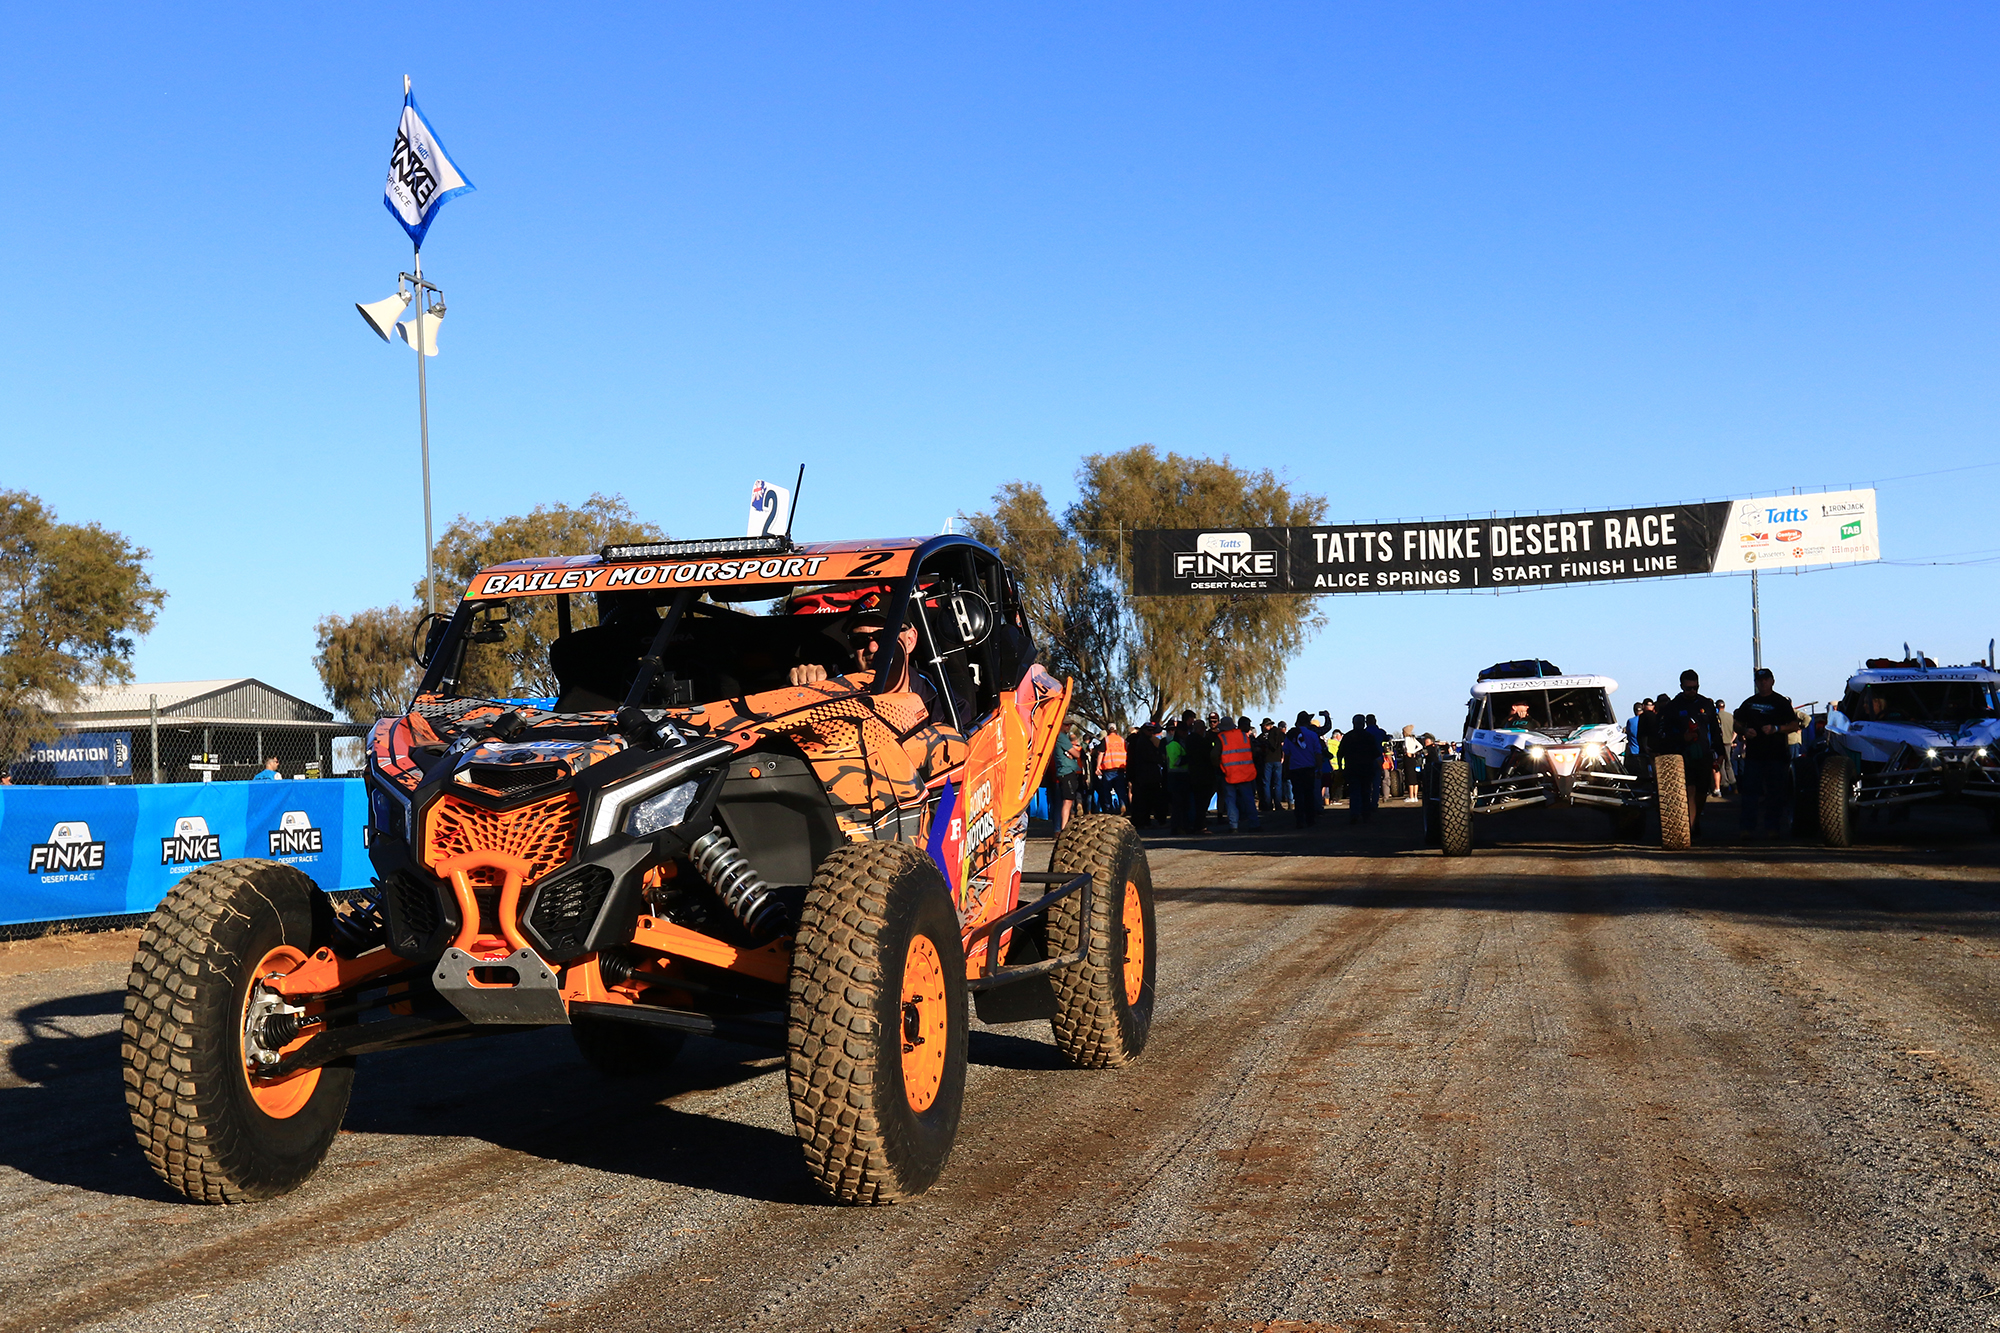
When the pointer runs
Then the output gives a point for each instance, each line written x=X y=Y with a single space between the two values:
x=433 y=628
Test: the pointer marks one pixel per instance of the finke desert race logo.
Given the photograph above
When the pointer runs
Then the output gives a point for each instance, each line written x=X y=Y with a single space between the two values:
x=1222 y=561
x=295 y=835
x=70 y=847
x=191 y=843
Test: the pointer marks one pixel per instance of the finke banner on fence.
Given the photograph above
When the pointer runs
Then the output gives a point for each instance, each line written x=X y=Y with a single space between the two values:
x=1457 y=555
x=104 y=851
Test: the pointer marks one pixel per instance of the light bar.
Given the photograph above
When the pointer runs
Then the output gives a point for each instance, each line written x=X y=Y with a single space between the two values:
x=773 y=545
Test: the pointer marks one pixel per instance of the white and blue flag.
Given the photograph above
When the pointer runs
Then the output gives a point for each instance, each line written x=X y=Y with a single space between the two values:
x=421 y=174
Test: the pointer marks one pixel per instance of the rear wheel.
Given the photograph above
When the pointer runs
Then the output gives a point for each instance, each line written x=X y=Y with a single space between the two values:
x=209 y=1124
x=1104 y=1004
x=876 y=1049
x=1670 y=781
x=1455 y=808
x=1836 y=801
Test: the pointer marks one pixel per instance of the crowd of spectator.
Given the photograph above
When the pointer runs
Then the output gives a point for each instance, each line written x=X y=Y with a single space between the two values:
x=1201 y=774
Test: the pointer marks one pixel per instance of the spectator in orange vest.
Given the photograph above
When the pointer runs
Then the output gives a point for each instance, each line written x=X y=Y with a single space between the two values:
x=1111 y=770
x=1239 y=777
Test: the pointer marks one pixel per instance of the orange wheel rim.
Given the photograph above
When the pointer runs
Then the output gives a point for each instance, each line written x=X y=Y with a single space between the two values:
x=923 y=1023
x=1135 y=943
x=279 y=1098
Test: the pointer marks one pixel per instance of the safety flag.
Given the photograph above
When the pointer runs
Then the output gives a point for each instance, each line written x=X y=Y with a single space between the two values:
x=421 y=174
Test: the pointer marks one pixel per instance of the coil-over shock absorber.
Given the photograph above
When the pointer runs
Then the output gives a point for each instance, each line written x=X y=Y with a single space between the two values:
x=728 y=872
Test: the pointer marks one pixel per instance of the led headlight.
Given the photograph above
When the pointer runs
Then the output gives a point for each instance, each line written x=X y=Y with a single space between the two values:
x=618 y=807
x=664 y=811
x=1536 y=752
x=1930 y=754
x=1592 y=750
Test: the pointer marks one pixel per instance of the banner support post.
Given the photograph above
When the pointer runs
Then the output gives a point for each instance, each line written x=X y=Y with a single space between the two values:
x=1756 y=627
x=153 y=709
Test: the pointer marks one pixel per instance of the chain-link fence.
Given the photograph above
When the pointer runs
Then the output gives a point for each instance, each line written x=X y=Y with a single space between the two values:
x=192 y=751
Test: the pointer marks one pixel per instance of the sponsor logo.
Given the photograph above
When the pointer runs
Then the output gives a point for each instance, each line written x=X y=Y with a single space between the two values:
x=1792 y=515
x=294 y=836
x=1846 y=507
x=1225 y=555
x=70 y=847
x=1790 y=535
x=191 y=843
x=1755 y=538
x=1850 y=530
x=1798 y=551
x=1749 y=557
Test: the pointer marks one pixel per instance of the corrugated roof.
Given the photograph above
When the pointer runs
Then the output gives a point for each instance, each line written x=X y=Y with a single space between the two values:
x=242 y=698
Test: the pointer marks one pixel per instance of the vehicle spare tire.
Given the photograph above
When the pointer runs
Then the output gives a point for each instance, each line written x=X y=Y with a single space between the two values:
x=1454 y=809
x=1670 y=782
x=1836 y=801
x=209 y=1124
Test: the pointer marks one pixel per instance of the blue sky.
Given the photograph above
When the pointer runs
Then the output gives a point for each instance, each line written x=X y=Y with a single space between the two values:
x=1420 y=259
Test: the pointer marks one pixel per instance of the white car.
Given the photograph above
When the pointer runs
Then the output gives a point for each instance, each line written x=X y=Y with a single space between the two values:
x=1534 y=736
x=1906 y=733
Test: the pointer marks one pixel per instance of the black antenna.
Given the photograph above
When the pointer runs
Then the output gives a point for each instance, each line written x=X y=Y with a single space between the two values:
x=793 y=512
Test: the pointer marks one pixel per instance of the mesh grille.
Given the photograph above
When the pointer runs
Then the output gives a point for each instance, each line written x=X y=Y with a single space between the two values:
x=566 y=907
x=542 y=834
x=416 y=911
x=506 y=779
x=449 y=709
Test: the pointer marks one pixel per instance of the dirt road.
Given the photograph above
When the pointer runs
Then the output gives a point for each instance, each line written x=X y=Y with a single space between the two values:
x=1551 y=1086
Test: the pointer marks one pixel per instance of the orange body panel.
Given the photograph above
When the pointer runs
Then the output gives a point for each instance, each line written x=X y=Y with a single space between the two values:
x=828 y=562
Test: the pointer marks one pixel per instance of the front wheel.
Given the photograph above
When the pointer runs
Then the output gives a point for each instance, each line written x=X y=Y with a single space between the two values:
x=875 y=1058
x=1836 y=801
x=1104 y=1004
x=209 y=1124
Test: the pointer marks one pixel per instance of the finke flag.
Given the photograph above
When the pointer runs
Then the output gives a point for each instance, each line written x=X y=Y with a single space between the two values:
x=421 y=174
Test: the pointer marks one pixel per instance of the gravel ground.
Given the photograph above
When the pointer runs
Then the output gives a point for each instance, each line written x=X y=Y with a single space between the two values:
x=1552 y=1086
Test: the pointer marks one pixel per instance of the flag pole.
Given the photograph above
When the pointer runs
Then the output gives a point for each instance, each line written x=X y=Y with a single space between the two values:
x=424 y=430
x=423 y=416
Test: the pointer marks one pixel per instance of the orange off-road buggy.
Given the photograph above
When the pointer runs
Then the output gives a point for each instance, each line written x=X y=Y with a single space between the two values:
x=681 y=841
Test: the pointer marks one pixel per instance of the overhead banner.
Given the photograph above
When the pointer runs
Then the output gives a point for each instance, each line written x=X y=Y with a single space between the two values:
x=1462 y=555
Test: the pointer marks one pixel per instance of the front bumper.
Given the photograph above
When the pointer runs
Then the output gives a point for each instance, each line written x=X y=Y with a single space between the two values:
x=1606 y=788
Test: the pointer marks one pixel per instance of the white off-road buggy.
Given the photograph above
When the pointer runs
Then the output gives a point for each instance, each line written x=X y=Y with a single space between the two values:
x=1907 y=732
x=1534 y=736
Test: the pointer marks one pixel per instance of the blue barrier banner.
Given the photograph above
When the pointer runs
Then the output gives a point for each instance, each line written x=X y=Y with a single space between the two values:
x=101 y=851
x=86 y=754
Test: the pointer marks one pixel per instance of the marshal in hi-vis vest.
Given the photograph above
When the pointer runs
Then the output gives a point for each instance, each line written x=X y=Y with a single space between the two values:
x=1237 y=765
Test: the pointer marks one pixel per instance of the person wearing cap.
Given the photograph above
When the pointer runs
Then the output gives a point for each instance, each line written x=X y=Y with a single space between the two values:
x=868 y=641
x=1239 y=776
x=1271 y=764
x=1303 y=751
x=1764 y=721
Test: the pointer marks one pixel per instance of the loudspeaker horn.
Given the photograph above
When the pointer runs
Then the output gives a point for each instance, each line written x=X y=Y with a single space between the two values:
x=381 y=315
x=407 y=331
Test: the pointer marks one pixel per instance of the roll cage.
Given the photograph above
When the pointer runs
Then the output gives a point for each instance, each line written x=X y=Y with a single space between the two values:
x=972 y=637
